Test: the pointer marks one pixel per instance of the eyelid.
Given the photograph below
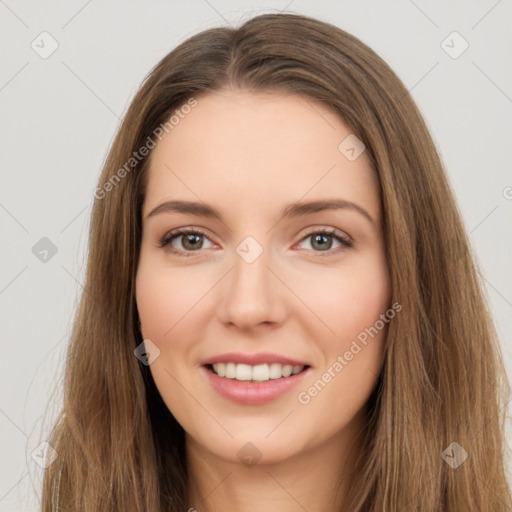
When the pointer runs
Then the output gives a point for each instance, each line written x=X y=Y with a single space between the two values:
x=170 y=236
x=330 y=230
x=344 y=239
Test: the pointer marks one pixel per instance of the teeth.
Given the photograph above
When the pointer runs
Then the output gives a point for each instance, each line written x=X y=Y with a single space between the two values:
x=260 y=372
x=230 y=370
x=243 y=372
x=275 y=371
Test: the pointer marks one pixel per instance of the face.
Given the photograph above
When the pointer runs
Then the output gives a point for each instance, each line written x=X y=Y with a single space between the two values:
x=262 y=254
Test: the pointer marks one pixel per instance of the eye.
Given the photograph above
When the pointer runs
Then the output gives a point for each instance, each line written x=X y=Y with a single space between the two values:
x=324 y=239
x=185 y=241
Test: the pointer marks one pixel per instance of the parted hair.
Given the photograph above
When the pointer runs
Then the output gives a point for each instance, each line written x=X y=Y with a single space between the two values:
x=442 y=378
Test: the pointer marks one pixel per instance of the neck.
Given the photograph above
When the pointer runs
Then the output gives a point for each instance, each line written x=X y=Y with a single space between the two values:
x=315 y=480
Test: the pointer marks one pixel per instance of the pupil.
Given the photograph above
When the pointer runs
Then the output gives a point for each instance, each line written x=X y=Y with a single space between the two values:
x=325 y=241
x=191 y=241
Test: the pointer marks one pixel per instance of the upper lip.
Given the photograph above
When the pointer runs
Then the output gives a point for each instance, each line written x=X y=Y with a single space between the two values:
x=253 y=359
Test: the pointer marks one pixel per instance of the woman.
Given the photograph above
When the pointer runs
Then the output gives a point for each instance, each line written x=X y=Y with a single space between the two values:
x=281 y=310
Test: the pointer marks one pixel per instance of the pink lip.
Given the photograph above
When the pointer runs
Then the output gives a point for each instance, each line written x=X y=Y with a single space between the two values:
x=253 y=359
x=252 y=393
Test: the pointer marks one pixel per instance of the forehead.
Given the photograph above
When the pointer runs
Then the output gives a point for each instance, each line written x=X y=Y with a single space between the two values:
x=256 y=150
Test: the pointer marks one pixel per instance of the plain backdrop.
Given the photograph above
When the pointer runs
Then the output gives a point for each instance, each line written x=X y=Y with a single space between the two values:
x=60 y=113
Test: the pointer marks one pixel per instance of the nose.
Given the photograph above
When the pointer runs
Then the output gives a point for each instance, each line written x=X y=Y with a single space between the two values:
x=251 y=295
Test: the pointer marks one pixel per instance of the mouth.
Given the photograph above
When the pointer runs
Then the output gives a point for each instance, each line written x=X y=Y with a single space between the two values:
x=254 y=379
x=255 y=373
x=254 y=384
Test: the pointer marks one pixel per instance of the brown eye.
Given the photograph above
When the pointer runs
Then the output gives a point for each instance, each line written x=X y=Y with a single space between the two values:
x=192 y=242
x=185 y=241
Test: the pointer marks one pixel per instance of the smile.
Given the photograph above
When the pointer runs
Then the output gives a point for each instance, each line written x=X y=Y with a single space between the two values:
x=256 y=373
x=253 y=385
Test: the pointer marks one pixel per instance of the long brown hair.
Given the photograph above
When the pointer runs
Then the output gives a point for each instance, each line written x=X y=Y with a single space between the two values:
x=442 y=379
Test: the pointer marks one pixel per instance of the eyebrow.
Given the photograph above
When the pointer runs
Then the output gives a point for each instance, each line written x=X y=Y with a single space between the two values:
x=291 y=211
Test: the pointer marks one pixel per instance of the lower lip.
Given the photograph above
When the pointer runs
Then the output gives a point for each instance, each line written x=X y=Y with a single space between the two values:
x=253 y=393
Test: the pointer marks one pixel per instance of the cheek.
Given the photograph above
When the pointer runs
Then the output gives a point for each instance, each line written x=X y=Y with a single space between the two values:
x=165 y=298
x=155 y=306
x=165 y=302
x=345 y=300
x=171 y=305
x=349 y=331
x=353 y=354
x=365 y=297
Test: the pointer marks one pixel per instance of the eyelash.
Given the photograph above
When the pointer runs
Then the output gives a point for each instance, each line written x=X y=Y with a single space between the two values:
x=346 y=243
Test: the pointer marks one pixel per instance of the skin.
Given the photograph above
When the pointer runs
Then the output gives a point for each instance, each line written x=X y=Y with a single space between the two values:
x=249 y=155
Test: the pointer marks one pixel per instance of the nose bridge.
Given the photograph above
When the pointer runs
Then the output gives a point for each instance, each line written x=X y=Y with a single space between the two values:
x=251 y=294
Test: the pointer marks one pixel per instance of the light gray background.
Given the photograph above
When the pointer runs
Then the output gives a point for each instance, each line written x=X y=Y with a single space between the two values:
x=59 y=116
